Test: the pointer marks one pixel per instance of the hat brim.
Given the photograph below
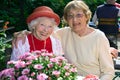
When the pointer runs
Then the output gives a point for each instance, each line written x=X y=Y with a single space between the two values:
x=37 y=14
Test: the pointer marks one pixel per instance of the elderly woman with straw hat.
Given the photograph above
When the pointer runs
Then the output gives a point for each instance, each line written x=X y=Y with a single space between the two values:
x=41 y=23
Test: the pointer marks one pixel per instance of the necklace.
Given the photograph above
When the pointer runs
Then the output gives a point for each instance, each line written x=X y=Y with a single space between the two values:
x=34 y=43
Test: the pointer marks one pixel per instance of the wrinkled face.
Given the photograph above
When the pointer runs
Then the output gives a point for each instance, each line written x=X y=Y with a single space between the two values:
x=44 y=28
x=76 y=19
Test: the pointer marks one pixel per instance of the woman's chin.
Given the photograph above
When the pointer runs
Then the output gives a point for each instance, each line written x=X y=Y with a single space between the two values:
x=43 y=38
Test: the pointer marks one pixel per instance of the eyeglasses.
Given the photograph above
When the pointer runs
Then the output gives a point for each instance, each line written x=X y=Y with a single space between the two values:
x=75 y=16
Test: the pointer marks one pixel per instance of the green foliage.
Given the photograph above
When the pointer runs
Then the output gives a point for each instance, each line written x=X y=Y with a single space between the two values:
x=93 y=4
x=3 y=46
x=16 y=11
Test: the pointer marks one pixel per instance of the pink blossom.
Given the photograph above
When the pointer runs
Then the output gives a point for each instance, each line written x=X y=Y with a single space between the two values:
x=23 y=57
x=44 y=51
x=42 y=76
x=7 y=72
x=33 y=73
x=12 y=78
x=20 y=64
x=37 y=53
x=23 y=77
x=25 y=71
x=38 y=66
x=67 y=74
x=49 y=54
x=32 y=57
x=66 y=67
x=73 y=69
x=10 y=62
x=31 y=79
x=54 y=60
x=61 y=58
x=56 y=73
x=50 y=65
x=28 y=63
x=91 y=77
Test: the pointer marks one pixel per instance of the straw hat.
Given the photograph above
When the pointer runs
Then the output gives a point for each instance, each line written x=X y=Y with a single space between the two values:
x=43 y=11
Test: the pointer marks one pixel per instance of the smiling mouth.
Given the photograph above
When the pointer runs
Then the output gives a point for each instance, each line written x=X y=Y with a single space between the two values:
x=43 y=34
x=76 y=24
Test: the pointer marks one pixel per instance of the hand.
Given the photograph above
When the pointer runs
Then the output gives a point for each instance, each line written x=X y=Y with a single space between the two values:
x=114 y=52
x=19 y=36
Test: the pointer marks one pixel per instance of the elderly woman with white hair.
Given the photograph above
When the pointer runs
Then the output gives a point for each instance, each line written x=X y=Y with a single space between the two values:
x=41 y=23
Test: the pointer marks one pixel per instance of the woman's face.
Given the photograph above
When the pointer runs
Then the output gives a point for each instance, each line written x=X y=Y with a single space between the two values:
x=76 y=19
x=44 y=28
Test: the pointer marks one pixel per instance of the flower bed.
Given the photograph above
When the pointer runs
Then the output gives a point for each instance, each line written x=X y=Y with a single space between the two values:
x=39 y=65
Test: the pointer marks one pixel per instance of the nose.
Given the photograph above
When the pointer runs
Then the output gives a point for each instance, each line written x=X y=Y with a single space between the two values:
x=74 y=18
x=45 y=29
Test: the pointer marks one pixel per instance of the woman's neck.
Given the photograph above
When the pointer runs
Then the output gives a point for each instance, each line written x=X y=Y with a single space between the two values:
x=84 y=31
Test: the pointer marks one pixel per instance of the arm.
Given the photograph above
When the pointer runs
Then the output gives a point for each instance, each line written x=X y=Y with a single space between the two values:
x=19 y=36
x=105 y=59
x=114 y=52
x=21 y=49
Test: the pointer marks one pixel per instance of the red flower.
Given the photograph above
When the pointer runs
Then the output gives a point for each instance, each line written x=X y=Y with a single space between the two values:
x=91 y=77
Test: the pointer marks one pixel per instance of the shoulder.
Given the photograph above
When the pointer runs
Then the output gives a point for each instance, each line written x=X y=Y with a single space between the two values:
x=99 y=33
x=102 y=5
x=63 y=30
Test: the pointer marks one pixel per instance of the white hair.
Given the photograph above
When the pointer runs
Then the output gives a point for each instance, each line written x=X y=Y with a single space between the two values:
x=34 y=22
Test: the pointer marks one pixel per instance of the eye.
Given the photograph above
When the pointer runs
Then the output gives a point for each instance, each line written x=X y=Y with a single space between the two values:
x=50 y=26
x=70 y=16
x=79 y=15
x=42 y=24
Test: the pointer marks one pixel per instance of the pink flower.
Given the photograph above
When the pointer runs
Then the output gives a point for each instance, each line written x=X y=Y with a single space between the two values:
x=7 y=72
x=50 y=65
x=25 y=71
x=56 y=73
x=91 y=77
x=33 y=73
x=32 y=57
x=12 y=78
x=42 y=77
x=20 y=64
x=28 y=63
x=73 y=69
x=67 y=74
x=37 y=53
x=61 y=58
x=23 y=57
x=23 y=77
x=38 y=66
x=10 y=62
x=66 y=67
x=31 y=79
x=54 y=60
x=49 y=54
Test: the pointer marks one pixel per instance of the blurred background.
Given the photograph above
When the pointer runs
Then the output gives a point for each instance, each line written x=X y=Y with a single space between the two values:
x=16 y=11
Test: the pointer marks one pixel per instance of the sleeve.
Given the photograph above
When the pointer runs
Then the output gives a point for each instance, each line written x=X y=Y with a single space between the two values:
x=119 y=13
x=56 y=46
x=21 y=49
x=94 y=19
x=105 y=59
